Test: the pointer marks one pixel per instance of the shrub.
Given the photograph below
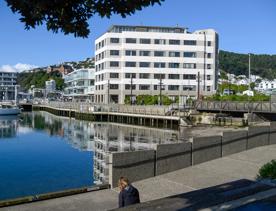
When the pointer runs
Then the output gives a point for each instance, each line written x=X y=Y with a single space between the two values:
x=268 y=171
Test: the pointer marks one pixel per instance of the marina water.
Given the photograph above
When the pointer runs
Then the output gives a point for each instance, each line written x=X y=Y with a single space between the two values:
x=41 y=153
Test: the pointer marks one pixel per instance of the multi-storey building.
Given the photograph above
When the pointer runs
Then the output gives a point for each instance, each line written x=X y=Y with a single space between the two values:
x=79 y=84
x=136 y=60
x=7 y=85
x=50 y=86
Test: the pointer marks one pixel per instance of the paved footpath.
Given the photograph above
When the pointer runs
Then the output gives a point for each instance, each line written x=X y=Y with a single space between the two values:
x=244 y=165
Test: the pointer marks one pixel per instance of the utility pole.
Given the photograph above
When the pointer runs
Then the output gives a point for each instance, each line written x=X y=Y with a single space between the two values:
x=160 y=86
x=108 y=86
x=198 y=85
x=204 y=65
x=131 y=82
x=249 y=72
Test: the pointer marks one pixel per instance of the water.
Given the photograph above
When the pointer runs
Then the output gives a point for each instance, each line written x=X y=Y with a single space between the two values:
x=41 y=153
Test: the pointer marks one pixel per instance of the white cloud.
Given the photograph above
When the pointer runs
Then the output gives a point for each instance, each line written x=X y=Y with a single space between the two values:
x=19 y=67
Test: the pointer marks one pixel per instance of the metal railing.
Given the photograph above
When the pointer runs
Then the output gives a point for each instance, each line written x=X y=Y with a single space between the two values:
x=267 y=107
x=114 y=108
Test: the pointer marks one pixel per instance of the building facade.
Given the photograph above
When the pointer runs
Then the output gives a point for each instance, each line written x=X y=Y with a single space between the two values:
x=79 y=85
x=63 y=69
x=140 y=60
x=7 y=85
x=50 y=86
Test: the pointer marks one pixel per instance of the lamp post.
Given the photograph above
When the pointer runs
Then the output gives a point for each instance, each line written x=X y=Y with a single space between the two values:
x=160 y=86
x=131 y=83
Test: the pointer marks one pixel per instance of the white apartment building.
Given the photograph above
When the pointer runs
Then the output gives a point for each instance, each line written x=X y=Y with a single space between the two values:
x=140 y=60
x=50 y=86
x=7 y=85
x=266 y=85
x=79 y=84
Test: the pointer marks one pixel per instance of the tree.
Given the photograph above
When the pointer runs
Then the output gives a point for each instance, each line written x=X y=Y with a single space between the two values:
x=71 y=16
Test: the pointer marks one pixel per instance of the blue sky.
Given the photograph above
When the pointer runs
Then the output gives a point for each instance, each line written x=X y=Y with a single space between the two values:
x=243 y=26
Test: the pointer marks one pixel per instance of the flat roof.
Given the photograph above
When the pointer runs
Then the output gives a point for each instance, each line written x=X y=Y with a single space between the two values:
x=141 y=28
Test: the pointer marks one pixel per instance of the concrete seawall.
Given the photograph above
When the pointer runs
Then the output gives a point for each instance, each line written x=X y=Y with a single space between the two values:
x=170 y=157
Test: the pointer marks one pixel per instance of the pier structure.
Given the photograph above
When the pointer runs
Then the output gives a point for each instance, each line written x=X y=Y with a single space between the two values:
x=152 y=116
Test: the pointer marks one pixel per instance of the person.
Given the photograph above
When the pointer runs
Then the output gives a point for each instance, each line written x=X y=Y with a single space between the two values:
x=128 y=194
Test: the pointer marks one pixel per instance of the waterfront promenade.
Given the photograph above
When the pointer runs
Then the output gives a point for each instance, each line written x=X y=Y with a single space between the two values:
x=244 y=165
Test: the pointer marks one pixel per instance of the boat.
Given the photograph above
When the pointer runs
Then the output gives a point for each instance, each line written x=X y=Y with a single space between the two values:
x=9 y=110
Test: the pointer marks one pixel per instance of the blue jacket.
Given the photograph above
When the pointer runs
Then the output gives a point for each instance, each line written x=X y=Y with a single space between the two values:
x=128 y=196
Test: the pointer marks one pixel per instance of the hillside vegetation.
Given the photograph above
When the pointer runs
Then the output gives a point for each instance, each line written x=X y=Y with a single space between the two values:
x=263 y=65
x=38 y=78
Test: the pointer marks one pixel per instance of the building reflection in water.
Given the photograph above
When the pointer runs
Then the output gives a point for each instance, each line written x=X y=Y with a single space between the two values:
x=100 y=138
x=8 y=126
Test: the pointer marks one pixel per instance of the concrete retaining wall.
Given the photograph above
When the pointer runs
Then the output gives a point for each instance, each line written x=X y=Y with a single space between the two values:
x=234 y=142
x=272 y=133
x=206 y=148
x=258 y=136
x=134 y=165
x=171 y=157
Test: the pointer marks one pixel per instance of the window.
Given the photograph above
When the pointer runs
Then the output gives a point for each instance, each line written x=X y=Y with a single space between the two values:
x=113 y=86
x=130 y=53
x=144 y=53
x=159 y=53
x=114 y=75
x=209 y=66
x=173 y=76
x=174 y=54
x=144 y=87
x=114 y=64
x=173 y=87
x=144 y=64
x=189 y=65
x=189 y=54
x=144 y=75
x=130 y=40
x=209 y=55
x=157 y=76
x=159 y=41
x=189 y=42
x=189 y=76
x=208 y=88
x=114 y=40
x=128 y=86
x=159 y=64
x=208 y=77
x=144 y=41
x=157 y=87
x=209 y=43
x=173 y=65
x=130 y=75
x=114 y=52
x=130 y=64
x=189 y=87
x=174 y=42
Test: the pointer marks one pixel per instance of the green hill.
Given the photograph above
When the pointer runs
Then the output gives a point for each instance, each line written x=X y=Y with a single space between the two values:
x=261 y=64
x=38 y=78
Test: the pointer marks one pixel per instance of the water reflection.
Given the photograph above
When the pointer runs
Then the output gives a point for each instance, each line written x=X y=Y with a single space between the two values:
x=8 y=126
x=101 y=138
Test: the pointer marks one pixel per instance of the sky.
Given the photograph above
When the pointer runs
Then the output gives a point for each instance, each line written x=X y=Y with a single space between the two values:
x=244 y=26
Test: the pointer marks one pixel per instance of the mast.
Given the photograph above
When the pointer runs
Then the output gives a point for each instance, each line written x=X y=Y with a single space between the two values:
x=249 y=72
